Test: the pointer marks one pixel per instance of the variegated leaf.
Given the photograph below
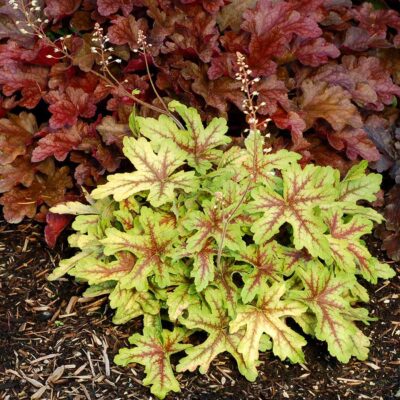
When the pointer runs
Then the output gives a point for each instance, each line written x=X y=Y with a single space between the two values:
x=359 y=186
x=324 y=295
x=95 y=271
x=153 y=247
x=266 y=266
x=212 y=318
x=303 y=191
x=155 y=173
x=153 y=350
x=348 y=251
x=130 y=304
x=262 y=166
x=199 y=144
x=269 y=316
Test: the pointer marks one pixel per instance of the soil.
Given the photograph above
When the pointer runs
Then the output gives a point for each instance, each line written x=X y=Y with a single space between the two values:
x=56 y=345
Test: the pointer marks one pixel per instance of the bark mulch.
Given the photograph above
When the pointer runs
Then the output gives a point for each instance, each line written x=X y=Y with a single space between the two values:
x=56 y=345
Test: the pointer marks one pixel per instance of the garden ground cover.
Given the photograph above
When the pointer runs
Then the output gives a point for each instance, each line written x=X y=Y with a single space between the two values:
x=55 y=345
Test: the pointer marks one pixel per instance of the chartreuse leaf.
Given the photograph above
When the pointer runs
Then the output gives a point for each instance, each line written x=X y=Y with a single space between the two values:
x=153 y=349
x=96 y=271
x=129 y=304
x=324 y=295
x=266 y=266
x=303 y=191
x=204 y=265
x=99 y=289
x=261 y=165
x=126 y=212
x=152 y=247
x=268 y=316
x=74 y=208
x=359 y=186
x=230 y=243
x=293 y=259
x=212 y=317
x=209 y=223
x=180 y=299
x=348 y=251
x=224 y=280
x=155 y=173
x=67 y=264
x=198 y=143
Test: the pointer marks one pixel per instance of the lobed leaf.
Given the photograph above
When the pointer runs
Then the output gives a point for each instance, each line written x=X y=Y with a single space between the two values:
x=154 y=172
x=153 y=350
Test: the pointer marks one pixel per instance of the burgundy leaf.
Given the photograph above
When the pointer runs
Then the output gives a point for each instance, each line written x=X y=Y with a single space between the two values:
x=67 y=107
x=293 y=122
x=390 y=232
x=196 y=35
x=211 y=6
x=57 y=9
x=370 y=85
x=124 y=30
x=315 y=52
x=274 y=93
x=59 y=144
x=359 y=39
x=376 y=22
x=12 y=51
x=272 y=26
x=108 y=7
x=31 y=81
x=55 y=224
x=356 y=143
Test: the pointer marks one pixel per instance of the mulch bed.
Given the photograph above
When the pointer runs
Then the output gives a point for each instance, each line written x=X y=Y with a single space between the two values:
x=56 y=345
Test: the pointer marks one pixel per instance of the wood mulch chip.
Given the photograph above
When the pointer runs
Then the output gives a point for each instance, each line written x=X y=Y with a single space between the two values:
x=54 y=344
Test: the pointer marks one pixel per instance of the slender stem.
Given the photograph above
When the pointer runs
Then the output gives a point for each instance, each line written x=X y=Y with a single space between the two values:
x=250 y=109
x=111 y=81
x=153 y=86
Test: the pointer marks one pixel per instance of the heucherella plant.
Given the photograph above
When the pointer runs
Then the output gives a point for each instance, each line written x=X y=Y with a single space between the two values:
x=235 y=242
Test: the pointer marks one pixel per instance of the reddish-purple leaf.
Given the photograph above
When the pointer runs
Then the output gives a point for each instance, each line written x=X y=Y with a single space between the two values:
x=365 y=78
x=272 y=92
x=390 y=233
x=196 y=35
x=356 y=143
x=55 y=224
x=67 y=107
x=359 y=39
x=124 y=30
x=30 y=80
x=86 y=173
x=59 y=144
x=293 y=122
x=315 y=52
x=272 y=27
x=376 y=22
x=11 y=52
x=211 y=6
x=108 y=7
x=57 y=9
